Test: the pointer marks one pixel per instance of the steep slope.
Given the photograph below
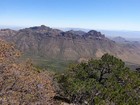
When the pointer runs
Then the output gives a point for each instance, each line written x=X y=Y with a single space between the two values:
x=21 y=84
x=70 y=45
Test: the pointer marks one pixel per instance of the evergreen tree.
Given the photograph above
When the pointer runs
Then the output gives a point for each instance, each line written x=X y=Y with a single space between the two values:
x=102 y=82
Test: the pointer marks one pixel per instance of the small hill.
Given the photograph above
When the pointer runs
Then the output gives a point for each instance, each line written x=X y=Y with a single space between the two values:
x=120 y=40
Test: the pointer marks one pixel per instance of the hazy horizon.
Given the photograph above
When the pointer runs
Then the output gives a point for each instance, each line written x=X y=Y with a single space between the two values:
x=112 y=15
x=134 y=35
x=93 y=14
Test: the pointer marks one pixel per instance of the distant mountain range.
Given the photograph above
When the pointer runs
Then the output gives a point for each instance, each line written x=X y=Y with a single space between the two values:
x=78 y=45
x=129 y=35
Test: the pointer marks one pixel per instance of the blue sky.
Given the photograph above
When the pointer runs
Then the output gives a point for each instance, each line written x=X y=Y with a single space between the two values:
x=91 y=14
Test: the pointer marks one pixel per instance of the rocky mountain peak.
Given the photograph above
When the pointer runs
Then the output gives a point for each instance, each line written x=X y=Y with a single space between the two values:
x=37 y=28
x=95 y=34
x=42 y=27
x=41 y=30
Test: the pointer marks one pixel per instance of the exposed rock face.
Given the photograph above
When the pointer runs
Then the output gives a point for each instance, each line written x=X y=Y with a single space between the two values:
x=95 y=34
x=7 y=34
x=70 y=45
x=80 y=33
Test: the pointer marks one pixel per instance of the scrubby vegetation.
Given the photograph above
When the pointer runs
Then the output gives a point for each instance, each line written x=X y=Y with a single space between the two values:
x=106 y=81
x=22 y=84
x=54 y=65
x=100 y=82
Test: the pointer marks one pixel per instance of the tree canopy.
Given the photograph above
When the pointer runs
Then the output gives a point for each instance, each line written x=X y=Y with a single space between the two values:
x=105 y=81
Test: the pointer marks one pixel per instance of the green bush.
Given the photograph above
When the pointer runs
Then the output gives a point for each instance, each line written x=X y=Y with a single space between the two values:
x=102 y=82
